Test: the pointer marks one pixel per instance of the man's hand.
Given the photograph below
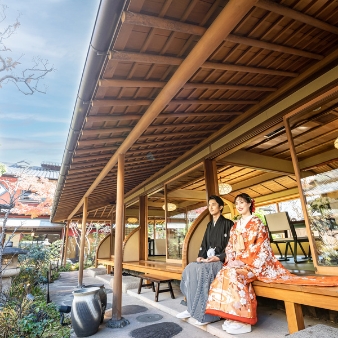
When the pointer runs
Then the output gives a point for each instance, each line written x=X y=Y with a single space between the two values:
x=199 y=259
x=213 y=259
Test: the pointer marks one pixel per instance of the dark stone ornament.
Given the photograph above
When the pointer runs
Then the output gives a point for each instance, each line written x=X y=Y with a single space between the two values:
x=133 y=309
x=149 y=318
x=117 y=324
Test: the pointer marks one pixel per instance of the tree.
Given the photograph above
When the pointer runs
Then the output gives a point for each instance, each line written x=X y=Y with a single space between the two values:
x=11 y=202
x=27 y=80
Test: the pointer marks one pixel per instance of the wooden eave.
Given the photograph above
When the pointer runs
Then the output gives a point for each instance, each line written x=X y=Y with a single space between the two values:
x=277 y=48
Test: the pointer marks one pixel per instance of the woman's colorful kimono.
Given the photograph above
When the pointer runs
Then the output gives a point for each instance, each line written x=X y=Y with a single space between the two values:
x=231 y=294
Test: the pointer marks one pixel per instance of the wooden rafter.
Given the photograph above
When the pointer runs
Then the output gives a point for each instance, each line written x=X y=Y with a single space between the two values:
x=173 y=61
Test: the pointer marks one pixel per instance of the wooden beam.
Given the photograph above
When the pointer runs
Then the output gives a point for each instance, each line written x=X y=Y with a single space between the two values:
x=90 y=158
x=82 y=242
x=117 y=118
x=94 y=150
x=259 y=179
x=112 y=118
x=89 y=164
x=272 y=46
x=312 y=162
x=93 y=132
x=144 y=137
x=112 y=83
x=117 y=103
x=155 y=143
x=131 y=18
x=185 y=194
x=233 y=12
x=176 y=26
x=277 y=196
x=295 y=15
x=173 y=61
x=210 y=178
x=112 y=103
x=247 y=159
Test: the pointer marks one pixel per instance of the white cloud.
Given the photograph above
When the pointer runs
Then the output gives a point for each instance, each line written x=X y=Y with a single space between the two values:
x=9 y=143
x=34 y=117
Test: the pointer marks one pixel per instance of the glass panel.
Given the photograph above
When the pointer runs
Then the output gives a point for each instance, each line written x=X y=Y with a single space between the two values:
x=177 y=226
x=294 y=209
x=321 y=192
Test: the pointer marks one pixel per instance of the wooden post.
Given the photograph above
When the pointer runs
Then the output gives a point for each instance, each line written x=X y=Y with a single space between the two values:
x=299 y=185
x=65 y=244
x=166 y=219
x=143 y=219
x=112 y=239
x=117 y=285
x=82 y=242
x=210 y=176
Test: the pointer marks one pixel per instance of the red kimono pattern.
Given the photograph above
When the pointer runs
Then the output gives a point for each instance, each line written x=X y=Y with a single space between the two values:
x=231 y=294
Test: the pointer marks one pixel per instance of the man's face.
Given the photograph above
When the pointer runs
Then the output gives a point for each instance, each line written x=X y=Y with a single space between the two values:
x=214 y=208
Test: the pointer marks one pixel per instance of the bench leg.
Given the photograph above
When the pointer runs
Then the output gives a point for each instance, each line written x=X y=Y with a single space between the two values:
x=171 y=290
x=153 y=286
x=108 y=267
x=294 y=315
x=140 y=286
x=157 y=291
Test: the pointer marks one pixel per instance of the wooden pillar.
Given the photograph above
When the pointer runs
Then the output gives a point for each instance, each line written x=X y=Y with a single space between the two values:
x=83 y=240
x=299 y=185
x=117 y=286
x=143 y=221
x=166 y=215
x=210 y=176
x=65 y=244
x=112 y=239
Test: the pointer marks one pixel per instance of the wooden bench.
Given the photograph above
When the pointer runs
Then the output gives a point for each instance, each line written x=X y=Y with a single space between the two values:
x=158 y=280
x=296 y=295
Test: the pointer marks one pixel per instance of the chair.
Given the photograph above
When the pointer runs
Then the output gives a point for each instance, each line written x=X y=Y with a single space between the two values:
x=280 y=223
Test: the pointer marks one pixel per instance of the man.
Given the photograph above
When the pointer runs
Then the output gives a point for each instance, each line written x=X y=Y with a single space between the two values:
x=197 y=276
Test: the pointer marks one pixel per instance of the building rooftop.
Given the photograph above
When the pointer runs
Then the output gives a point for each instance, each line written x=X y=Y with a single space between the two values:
x=47 y=169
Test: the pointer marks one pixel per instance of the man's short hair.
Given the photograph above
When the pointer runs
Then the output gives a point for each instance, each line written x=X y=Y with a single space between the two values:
x=217 y=199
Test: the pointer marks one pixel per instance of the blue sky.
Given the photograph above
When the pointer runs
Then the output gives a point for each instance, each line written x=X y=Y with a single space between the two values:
x=34 y=127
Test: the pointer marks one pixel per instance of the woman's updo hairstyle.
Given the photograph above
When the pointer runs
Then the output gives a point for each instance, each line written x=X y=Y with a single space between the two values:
x=247 y=199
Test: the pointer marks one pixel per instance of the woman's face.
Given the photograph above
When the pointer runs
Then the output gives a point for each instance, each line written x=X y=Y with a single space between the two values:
x=242 y=206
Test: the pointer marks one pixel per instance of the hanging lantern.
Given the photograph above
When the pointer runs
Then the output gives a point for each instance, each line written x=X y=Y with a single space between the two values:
x=132 y=220
x=170 y=206
x=336 y=143
x=224 y=188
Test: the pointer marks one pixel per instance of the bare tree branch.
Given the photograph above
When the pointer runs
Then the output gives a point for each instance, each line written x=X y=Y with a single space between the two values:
x=28 y=80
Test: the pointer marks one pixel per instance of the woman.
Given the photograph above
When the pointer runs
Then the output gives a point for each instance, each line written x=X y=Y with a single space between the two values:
x=249 y=257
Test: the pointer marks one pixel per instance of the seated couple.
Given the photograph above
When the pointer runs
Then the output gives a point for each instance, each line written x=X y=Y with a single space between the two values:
x=216 y=290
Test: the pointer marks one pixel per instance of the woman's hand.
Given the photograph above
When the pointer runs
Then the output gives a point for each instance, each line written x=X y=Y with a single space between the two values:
x=235 y=264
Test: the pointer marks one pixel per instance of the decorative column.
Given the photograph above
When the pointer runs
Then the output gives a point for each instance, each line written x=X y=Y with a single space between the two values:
x=82 y=242
x=117 y=321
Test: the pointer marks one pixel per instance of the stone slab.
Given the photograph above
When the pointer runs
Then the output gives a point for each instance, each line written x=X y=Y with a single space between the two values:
x=128 y=283
x=317 y=331
x=93 y=272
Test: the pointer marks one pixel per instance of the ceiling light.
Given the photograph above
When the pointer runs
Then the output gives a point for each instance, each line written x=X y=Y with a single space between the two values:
x=336 y=143
x=132 y=220
x=224 y=188
x=170 y=206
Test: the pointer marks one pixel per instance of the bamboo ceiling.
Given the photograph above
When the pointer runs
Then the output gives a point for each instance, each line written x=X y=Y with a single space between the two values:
x=271 y=47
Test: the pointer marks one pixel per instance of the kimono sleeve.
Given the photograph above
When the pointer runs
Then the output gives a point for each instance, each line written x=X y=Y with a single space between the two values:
x=204 y=245
x=258 y=250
